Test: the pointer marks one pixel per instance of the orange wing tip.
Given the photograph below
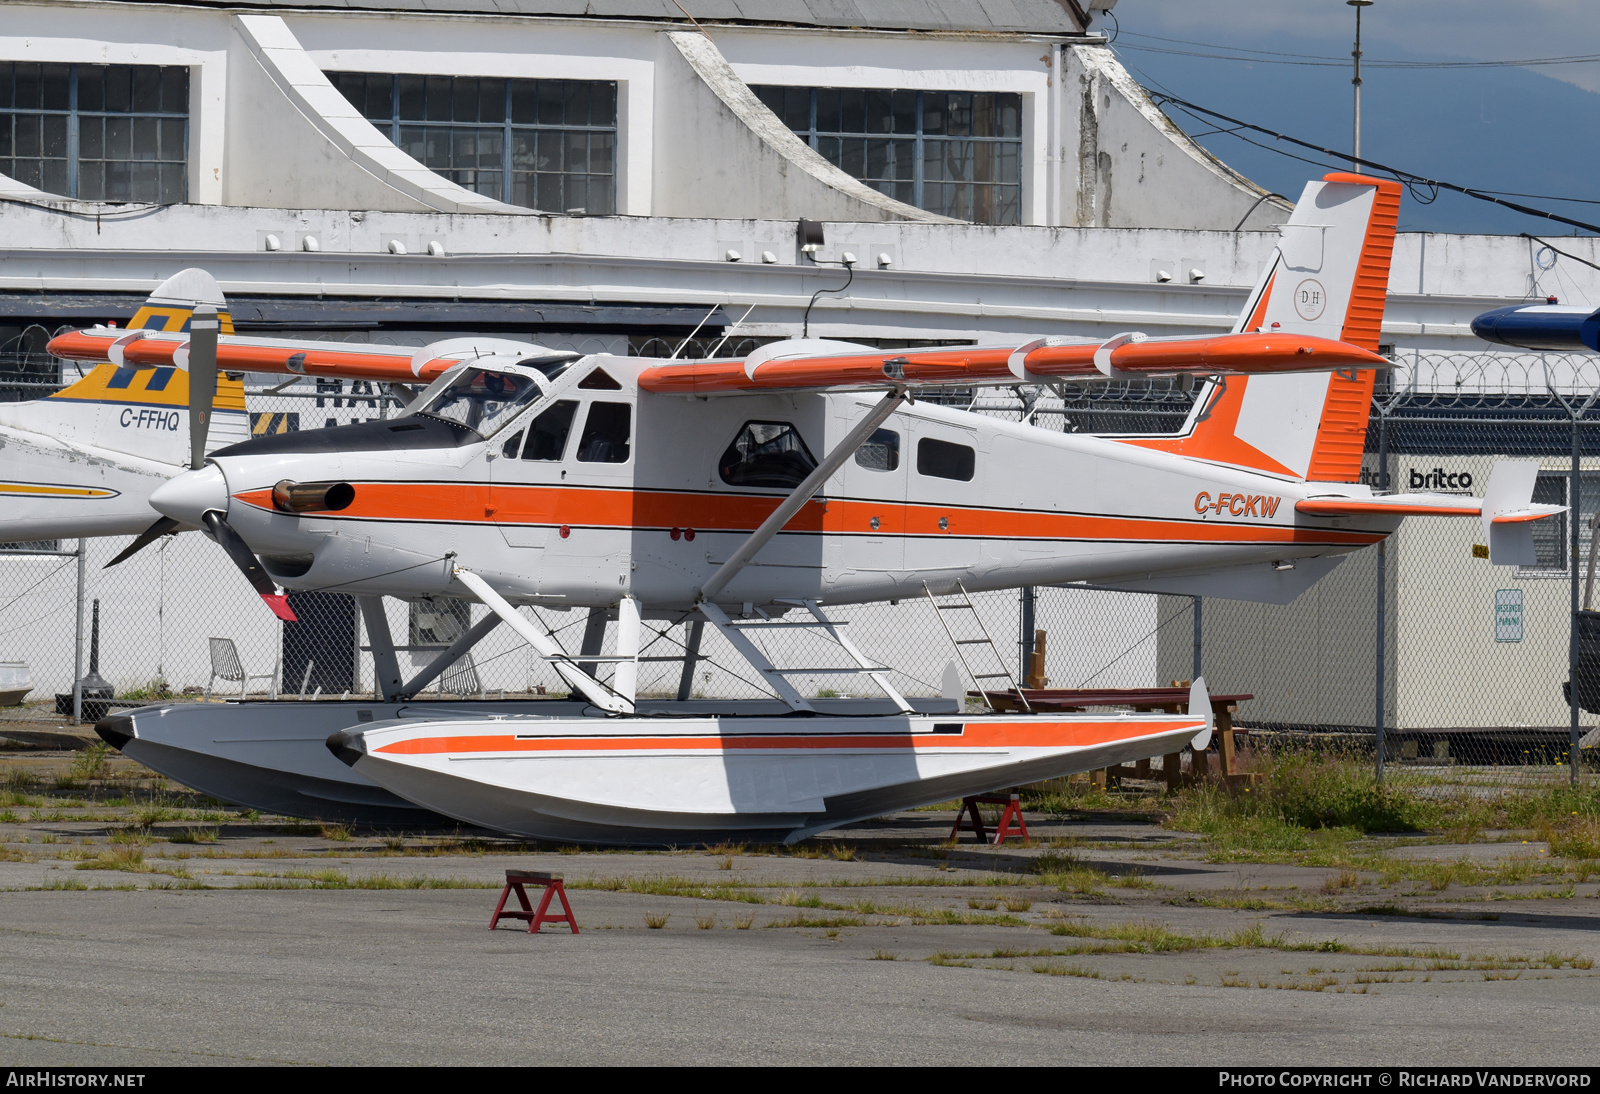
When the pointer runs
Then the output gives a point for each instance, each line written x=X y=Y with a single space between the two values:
x=279 y=603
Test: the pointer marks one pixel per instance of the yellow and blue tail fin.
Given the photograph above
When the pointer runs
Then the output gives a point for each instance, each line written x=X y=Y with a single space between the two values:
x=142 y=410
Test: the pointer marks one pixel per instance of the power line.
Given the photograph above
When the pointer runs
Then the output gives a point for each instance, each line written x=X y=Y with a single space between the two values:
x=1267 y=56
x=1419 y=185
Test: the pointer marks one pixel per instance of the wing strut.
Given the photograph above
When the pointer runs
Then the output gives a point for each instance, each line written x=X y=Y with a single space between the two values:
x=592 y=689
x=435 y=668
x=802 y=494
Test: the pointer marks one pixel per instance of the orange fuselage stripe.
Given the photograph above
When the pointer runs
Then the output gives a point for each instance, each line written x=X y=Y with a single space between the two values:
x=587 y=507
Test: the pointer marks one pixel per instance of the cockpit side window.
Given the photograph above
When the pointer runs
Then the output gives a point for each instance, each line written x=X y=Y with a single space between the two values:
x=482 y=399
x=766 y=454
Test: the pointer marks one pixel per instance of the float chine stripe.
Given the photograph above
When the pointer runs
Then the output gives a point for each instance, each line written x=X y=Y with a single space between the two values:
x=976 y=736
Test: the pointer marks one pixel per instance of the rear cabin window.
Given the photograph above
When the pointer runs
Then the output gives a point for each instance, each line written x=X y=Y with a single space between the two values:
x=606 y=433
x=881 y=452
x=547 y=436
x=766 y=454
x=943 y=460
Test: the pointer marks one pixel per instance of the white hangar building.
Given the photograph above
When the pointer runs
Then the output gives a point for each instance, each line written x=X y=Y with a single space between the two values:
x=611 y=175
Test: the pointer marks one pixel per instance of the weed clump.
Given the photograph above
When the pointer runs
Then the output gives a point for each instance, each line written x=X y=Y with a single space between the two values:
x=1305 y=799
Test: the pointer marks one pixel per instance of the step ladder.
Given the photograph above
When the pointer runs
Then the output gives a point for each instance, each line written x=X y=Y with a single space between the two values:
x=957 y=608
x=738 y=632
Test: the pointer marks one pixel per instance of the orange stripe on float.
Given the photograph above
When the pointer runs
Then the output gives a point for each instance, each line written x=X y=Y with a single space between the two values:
x=976 y=736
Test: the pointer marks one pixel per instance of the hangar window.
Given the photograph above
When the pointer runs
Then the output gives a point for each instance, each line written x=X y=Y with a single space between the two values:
x=943 y=460
x=1550 y=545
x=958 y=153
x=97 y=132
x=542 y=144
x=766 y=454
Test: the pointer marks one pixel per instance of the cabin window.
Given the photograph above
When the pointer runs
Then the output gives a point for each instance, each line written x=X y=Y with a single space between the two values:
x=606 y=433
x=958 y=153
x=547 y=436
x=542 y=144
x=881 y=452
x=97 y=132
x=766 y=454
x=943 y=460
x=599 y=380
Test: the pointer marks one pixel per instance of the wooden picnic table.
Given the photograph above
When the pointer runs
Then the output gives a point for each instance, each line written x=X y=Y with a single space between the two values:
x=1173 y=700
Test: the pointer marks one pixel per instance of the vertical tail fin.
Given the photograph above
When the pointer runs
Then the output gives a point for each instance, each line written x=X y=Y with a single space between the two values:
x=172 y=304
x=1327 y=277
x=145 y=411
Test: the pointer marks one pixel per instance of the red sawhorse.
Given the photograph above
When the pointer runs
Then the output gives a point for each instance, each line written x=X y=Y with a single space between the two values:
x=1011 y=815
x=515 y=880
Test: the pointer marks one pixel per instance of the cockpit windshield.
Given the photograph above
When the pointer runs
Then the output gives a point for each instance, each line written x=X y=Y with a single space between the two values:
x=482 y=399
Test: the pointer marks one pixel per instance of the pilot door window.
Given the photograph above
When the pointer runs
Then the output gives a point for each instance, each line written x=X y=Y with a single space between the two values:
x=606 y=433
x=547 y=436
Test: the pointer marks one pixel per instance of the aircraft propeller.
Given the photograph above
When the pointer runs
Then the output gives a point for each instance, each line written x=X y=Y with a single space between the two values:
x=204 y=327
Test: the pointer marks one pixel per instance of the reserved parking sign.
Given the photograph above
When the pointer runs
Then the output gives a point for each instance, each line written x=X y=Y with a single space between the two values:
x=1508 y=615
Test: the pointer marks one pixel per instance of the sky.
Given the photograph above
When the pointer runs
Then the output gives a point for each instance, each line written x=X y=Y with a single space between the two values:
x=1526 y=129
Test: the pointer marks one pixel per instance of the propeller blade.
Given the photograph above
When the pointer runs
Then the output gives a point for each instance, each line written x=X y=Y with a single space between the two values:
x=164 y=526
x=203 y=328
x=244 y=558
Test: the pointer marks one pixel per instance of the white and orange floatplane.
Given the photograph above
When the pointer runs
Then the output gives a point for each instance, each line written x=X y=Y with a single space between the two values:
x=690 y=493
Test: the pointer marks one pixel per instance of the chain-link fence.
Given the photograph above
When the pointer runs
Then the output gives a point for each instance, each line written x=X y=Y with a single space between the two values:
x=1472 y=658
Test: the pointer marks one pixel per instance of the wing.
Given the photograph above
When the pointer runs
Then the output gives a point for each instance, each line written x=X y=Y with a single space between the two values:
x=818 y=365
x=143 y=348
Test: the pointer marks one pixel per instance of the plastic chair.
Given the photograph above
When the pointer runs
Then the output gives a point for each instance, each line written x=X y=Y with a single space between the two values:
x=462 y=679
x=225 y=664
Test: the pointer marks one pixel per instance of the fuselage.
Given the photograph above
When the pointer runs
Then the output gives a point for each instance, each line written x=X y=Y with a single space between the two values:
x=85 y=461
x=646 y=495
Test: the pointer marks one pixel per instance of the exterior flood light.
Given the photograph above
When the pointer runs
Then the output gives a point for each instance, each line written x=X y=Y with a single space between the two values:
x=1163 y=276
x=768 y=257
x=809 y=234
x=396 y=247
x=732 y=255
